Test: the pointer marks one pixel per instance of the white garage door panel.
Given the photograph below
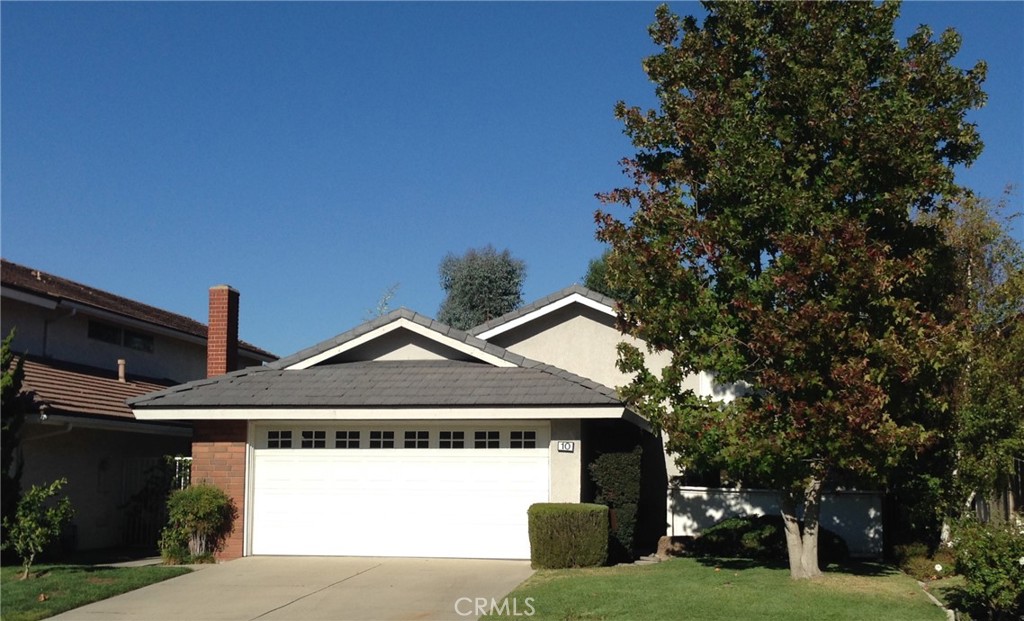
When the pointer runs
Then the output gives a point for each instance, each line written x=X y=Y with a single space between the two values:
x=373 y=502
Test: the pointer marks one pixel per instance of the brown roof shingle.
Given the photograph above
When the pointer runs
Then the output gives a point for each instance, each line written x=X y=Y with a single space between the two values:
x=69 y=388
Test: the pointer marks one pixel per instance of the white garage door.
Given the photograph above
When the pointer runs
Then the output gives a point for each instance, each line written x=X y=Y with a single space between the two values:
x=457 y=491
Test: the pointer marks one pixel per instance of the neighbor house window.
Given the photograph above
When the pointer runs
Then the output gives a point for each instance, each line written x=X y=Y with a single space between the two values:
x=314 y=439
x=138 y=341
x=346 y=439
x=104 y=332
x=452 y=439
x=523 y=439
x=382 y=439
x=417 y=439
x=279 y=439
x=107 y=333
x=485 y=439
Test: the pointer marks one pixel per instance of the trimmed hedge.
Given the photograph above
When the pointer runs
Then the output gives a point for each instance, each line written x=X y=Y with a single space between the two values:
x=762 y=538
x=568 y=535
x=617 y=476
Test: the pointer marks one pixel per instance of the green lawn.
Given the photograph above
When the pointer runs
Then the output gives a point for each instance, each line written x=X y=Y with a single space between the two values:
x=63 y=587
x=705 y=590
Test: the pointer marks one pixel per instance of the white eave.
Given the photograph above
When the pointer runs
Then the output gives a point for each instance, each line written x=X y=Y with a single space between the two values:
x=403 y=323
x=392 y=414
x=574 y=298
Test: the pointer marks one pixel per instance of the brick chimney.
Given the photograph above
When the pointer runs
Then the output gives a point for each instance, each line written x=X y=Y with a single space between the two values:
x=222 y=337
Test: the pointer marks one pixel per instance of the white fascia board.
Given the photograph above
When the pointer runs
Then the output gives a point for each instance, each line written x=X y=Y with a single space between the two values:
x=78 y=422
x=28 y=298
x=574 y=298
x=350 y=414
x=402 y=323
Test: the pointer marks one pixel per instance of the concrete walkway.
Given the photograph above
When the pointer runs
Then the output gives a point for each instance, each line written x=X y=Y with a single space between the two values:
x=316 y=588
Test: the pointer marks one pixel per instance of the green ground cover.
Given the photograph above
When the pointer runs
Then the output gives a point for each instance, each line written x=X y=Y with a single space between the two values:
x=56 y=588
x=710 y=590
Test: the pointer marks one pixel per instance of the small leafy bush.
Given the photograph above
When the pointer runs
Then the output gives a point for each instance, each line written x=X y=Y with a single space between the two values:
x=38 y=520
x=200 y=518
x=617 y=476
x=762 y=538
x=919 y=560
x=568 y=535
x=990 y=557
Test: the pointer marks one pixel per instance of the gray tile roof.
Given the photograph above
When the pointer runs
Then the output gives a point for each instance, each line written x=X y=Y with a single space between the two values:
x=409 y=383
x=541 y=303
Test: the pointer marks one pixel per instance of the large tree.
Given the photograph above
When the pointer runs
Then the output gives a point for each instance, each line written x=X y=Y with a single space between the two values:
x=480 y=285
x=989 y=404
x=776 y=239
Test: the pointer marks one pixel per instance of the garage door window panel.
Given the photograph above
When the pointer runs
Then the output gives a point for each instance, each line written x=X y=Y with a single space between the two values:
x=346 y=439
x=452 y=440
x=523 y=439
x=417 y=439
x=486 y=439
x=382 y=439
x=314 y=439
x=279 y=439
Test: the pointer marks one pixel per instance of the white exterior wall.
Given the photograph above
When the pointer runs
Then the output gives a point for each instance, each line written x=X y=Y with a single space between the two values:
x=854 y=516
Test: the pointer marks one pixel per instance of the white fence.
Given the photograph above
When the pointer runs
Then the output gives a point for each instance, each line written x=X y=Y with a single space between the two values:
x=854 y=516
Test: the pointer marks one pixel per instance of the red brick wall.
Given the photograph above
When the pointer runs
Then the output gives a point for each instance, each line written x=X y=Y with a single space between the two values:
x=222 y=333
x=218 y=457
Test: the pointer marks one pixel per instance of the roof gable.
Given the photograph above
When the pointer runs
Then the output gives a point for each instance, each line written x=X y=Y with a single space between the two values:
x=400 y=335
x=575 y=294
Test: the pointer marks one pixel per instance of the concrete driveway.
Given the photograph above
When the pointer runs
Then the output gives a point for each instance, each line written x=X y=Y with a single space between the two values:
x=318 y=588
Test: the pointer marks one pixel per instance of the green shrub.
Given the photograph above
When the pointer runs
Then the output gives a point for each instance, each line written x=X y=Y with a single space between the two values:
x=617 y=476
x=919 y=560
x=990 y=557
x=568 y=535
x=762 y=538
x=200 y=518
x=37 y=522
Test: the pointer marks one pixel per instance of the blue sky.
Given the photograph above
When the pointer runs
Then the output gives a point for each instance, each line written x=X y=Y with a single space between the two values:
x=313 y=154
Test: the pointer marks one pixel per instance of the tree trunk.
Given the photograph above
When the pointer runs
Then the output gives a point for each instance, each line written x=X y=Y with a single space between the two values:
x=803 y=546
x=27 y=564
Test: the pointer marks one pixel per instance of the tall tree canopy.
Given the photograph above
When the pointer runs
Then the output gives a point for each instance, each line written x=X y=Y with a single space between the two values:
x=596 y=278
x=480 y=285
x=776 y=238
x=989 y=404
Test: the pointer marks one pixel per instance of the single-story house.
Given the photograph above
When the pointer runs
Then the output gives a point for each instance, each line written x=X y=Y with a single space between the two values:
x=406 y=437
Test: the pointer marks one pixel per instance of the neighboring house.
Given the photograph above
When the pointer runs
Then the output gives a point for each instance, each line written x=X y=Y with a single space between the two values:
x=406 y=437
x=86 y=352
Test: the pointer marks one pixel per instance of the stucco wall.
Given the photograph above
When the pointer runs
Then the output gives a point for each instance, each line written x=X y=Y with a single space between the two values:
x=581 y=340
x=103 y=468
x=566 y=467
